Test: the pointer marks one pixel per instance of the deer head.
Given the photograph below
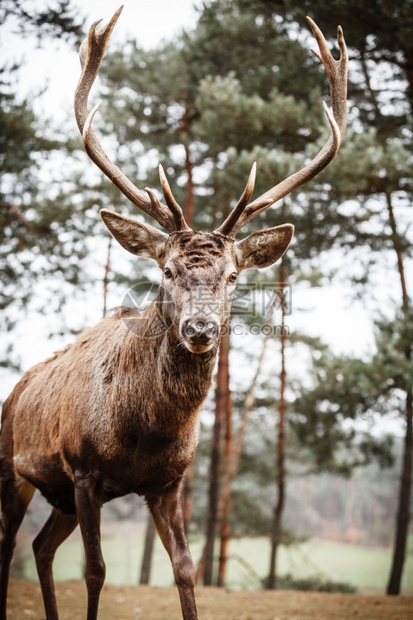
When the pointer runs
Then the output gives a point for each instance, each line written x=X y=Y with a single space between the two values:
x=192 y=259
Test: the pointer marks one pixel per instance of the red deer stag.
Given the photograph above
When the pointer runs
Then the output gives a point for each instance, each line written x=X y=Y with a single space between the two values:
x=117 y=411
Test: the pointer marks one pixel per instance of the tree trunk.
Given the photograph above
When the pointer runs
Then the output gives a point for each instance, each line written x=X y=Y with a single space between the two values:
x=106 y=276
x=403 y=511
x=279 y=507
x=189 y=200
x=187 y=493
x=223 y=551
x=399 y=254
x=231 y=470
x=225 y=530
x=221 y=398
x=233 y=452
x=147 y=552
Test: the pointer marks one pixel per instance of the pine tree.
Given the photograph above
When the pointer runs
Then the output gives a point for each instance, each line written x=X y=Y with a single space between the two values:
x=32 y=225
x=380 y=38
x=58 y=18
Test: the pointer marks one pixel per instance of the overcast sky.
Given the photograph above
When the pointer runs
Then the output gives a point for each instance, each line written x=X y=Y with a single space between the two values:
x=149 y=21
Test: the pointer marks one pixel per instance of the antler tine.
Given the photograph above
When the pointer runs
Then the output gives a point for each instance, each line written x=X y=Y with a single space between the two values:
x=173 y=206
x=337 y=75
x=336 y=71
x=91 y=54
x=228 y=225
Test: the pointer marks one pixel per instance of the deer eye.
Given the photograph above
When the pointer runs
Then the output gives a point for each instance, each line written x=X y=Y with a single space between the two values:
x=167 y=272
x=233 y=277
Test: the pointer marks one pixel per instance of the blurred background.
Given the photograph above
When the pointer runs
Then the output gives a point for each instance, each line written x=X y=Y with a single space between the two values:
x=303 y=474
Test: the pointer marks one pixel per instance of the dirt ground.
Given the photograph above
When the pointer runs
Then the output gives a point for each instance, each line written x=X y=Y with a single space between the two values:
x=144 y=603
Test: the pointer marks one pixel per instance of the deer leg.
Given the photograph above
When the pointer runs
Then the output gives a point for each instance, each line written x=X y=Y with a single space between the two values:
x=56 y=529
x=15 y=497
x=88 y=506
x=167 y=512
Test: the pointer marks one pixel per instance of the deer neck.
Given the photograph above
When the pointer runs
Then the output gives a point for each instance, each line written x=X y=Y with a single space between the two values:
x=174 y=381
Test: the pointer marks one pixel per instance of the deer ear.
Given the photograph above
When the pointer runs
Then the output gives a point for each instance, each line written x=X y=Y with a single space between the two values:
x=263 y=248
x=137 y=238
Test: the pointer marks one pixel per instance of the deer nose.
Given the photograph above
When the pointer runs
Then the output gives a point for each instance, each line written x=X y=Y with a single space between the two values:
x=200 y=329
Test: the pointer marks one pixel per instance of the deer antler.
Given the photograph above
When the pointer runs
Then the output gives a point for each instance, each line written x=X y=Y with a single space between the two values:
x=91 y=54
x=337 y=75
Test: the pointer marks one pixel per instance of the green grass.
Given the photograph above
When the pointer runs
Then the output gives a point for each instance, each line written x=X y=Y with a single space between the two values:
x=365 y=568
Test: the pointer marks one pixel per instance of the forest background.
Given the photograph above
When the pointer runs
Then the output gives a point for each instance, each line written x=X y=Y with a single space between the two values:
x=331 y=368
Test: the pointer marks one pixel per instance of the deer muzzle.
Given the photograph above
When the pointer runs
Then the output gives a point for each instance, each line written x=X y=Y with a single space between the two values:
x=199 y=333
